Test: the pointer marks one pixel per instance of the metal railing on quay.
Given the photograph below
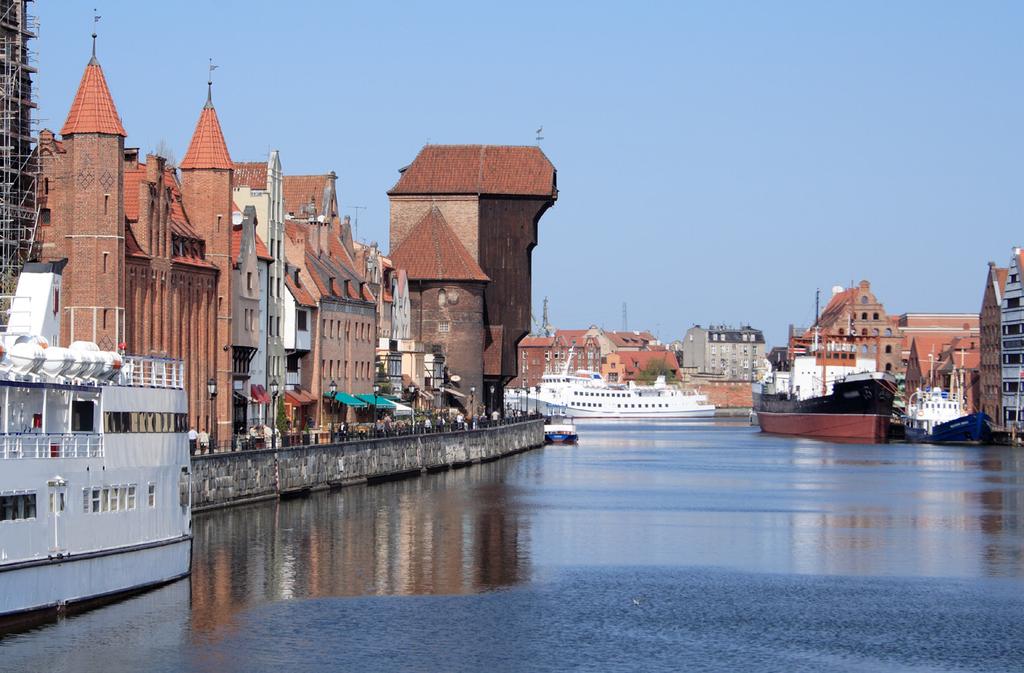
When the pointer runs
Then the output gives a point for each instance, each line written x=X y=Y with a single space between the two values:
x=30 y=445
x=355 y=432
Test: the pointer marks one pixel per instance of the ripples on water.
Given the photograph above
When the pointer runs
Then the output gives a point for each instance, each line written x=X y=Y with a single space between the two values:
x=657 y=548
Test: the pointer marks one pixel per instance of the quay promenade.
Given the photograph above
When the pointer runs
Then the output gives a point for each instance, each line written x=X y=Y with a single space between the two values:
x=237 y=477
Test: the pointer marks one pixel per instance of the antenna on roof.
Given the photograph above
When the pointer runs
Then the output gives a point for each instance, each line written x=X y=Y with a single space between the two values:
x=540 y=132
x=355 y=225
x=625 y=318
x=95 y=20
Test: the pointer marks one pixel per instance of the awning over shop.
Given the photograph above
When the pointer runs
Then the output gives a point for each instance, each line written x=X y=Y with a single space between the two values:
x=402 y=409
x=259 y=394
x=298 y=397
x=456 y=393
x=348 y=400
x=425 y=394
x=378 y=401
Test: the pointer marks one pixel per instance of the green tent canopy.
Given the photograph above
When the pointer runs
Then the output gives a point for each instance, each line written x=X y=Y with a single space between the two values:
x=347 y=399
x=381 y=402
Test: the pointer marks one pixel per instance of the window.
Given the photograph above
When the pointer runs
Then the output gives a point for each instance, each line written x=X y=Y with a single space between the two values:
x=864 y=299
x=248 y=280
x=151 y=495
x=16 y=506
x=95 y=500
x=874 y=316
x=863 y=316
x=888 y=349
x=1013 y=302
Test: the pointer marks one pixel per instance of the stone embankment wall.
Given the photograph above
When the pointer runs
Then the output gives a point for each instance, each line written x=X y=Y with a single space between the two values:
x=245 y=476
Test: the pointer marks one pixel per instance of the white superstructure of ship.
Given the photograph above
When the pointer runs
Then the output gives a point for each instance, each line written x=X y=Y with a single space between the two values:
x=586 y=394
x=95 y=483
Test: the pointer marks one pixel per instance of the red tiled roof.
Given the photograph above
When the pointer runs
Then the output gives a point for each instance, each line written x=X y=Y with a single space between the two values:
x=300 y=190
x=431 y=251
x=536 y=341
x=93 y=109
x=634 y=362
x=252 y=174
x=131 y=244
x=236 y=246
x=131 y=181
x=299 y=292
x=207 y=148
x=1001 y=280
x=478 y=169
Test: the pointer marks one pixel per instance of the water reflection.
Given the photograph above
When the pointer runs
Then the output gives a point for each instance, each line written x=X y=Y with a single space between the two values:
x=448 y=533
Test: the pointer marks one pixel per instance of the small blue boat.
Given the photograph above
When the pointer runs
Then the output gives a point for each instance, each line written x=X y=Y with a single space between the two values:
x=560 y=430
x=936 y=416
x=972 y=428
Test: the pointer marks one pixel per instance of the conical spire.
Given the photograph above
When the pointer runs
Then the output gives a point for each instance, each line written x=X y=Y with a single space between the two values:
x=207 y=149
x=93 y=110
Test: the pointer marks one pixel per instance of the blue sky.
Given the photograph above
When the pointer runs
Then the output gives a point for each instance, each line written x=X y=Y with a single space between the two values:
x=717 y=161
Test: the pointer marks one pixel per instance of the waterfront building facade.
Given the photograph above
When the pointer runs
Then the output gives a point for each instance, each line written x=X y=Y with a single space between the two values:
x=730 y=352
x=628 y=365
x=1012 y=349
x=990 y=340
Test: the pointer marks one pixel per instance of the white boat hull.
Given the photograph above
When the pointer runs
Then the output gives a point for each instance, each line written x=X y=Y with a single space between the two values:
x=52 y=584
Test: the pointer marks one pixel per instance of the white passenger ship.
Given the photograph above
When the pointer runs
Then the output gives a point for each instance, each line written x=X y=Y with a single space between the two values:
x=586 y=394
x=95 y=479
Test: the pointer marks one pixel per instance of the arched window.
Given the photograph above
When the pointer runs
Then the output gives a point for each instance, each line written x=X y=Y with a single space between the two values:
x=888 y=349
x=864 y=331
x=864 y=316
x=874 y=332
x=888 y=366
x=888 y=331
x=841 y=331
x=864 y=299
x=874 y=316
x=864 y=348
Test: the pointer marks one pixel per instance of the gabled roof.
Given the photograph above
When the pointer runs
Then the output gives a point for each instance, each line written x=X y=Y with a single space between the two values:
x=1000 y=281
x=432 y=251
x=207 y=148
x=236 y=246
x=300 y=190
x=479 y=169
x=299 y=292
x=252 y=174
x=93 y=109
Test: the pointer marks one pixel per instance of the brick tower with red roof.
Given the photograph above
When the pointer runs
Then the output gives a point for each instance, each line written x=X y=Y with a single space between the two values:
x=491 y=198
x=82 y=212
x=206 y=175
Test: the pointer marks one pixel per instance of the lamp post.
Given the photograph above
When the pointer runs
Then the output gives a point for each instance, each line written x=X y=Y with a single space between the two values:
x=490 y=402
x=472 y=400
x=412 y=398
x=211 y=388
x=275 y=388
x=376 y=389
x=334 y=400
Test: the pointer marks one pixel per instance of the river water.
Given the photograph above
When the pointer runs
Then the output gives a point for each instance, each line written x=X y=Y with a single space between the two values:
x=666 y=547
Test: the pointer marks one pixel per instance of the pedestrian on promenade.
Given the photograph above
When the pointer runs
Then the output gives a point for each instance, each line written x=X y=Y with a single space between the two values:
x=460 y=421
x=204 y=441
x=495 y=416
x=426 y=424
x=193 y=436
x=344 y=431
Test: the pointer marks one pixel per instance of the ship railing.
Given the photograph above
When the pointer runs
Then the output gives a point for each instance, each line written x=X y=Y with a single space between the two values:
x=30 y=445
x=152 y=372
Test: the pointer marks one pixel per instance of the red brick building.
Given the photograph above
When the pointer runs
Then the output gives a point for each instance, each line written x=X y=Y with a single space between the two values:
x=990 y=343
x=150 y=257
x=856 y=314
x=626 y=365
x=491 y=199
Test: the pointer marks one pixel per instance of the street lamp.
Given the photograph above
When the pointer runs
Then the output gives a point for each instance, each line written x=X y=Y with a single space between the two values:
x=211 y=388
x=333 y=387
x=472 y=400
x=376 y=389
x=275 y=388
x=412 y=397
x=490 y=401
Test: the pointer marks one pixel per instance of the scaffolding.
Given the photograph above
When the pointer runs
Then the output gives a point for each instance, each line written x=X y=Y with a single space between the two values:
x=18 y=162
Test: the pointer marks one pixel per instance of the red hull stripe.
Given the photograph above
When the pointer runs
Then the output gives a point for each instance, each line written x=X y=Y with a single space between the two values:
x=862 y=427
